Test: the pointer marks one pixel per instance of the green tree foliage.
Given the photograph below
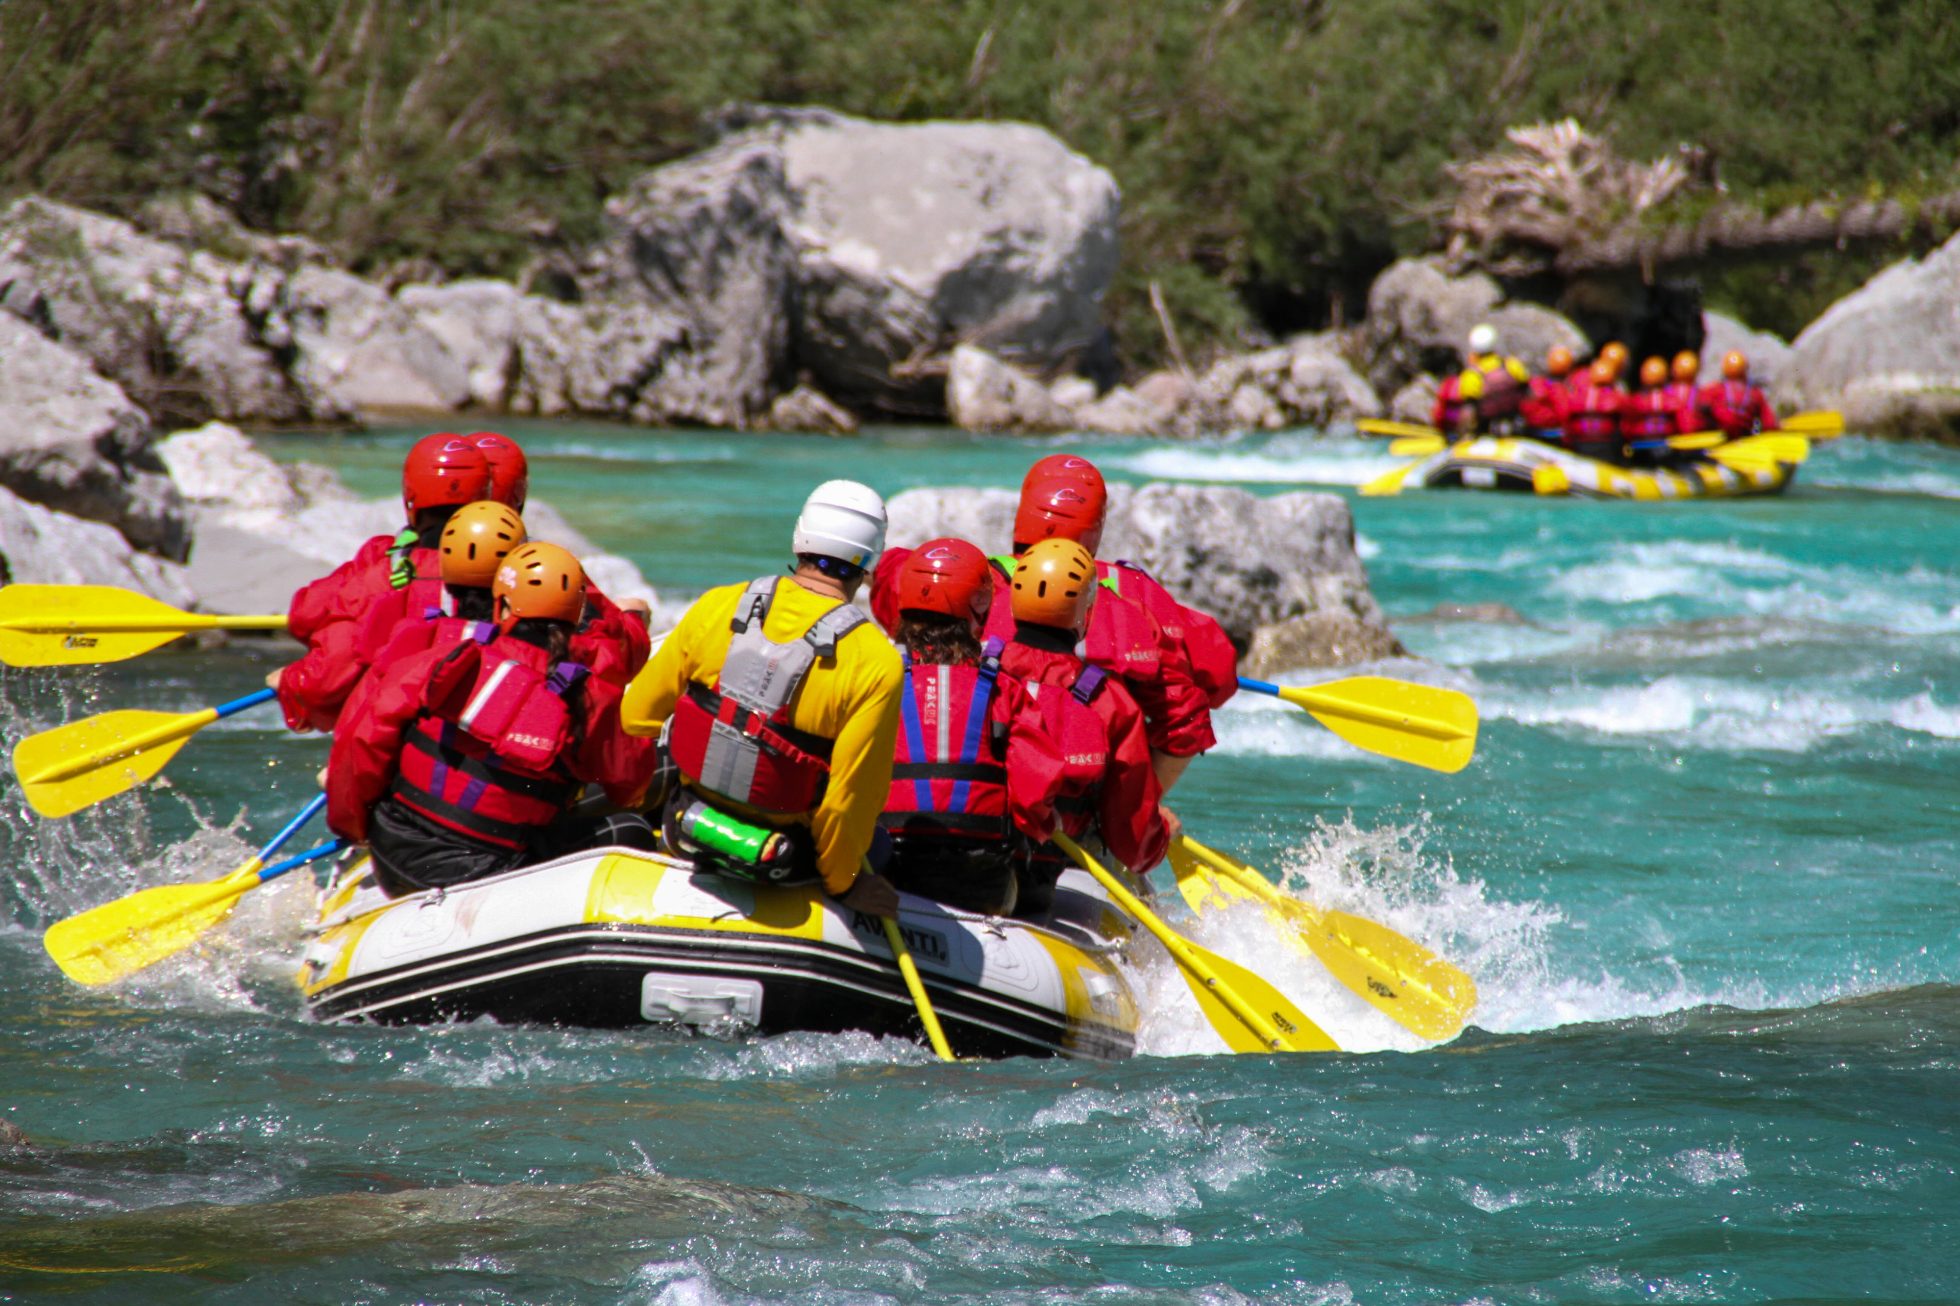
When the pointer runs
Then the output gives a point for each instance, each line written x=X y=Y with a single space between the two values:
x=1273 y=154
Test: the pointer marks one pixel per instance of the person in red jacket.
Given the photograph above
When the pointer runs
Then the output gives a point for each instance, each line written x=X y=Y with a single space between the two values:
x=441 y=473
x=1543 y=406
x=1685 y=397
x=461 y=762
x=977 y=773
x=1455 y=411
x=474 y=544
x=1592 y=413
x=1648 y=417
x=1121 y=637
x=1738 y=408
x=1049 y=604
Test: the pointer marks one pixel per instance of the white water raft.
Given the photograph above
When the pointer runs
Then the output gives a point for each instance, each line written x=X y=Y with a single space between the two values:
x=1511 y=463
x=617 y=938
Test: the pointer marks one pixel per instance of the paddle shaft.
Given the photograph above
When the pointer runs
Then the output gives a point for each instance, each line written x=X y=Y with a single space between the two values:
x=138 y=625
x=909 y=970
x=290 y=829
x=1174 y=943
x=1354 y=709
x=148 y=739
x=331 y=848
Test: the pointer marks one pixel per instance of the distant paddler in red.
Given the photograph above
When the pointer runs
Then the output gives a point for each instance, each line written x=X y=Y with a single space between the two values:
x=1493 y=384
x=1648 y=418
x=1737 y=407
x=1592 y=413
x=1684 y=396
x=1543 y=406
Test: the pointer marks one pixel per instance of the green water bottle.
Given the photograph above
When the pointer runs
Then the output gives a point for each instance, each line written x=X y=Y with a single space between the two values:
x=737 y=840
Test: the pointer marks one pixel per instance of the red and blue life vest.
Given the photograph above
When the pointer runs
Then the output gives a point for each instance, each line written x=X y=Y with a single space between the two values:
x=486 y=756
x=948 y=775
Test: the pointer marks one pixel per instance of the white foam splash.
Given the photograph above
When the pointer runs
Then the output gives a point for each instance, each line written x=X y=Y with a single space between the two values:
x=1282 y=460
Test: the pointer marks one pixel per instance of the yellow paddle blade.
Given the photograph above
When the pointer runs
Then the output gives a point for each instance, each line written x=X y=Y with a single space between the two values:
x=1202 y=891
x=1382 y=426
x=1247 y=1012
x=1388 y=483
x=1823 y=424
x=1392 y=973
x=1762 y=452
x=1417 y=446
x=75 y=625
x=78 y=765
x=122 y=937
x=1697 y=440
x=1419 y=724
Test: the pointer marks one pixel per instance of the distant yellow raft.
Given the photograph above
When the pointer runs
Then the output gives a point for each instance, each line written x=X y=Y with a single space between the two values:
x=1508 y=463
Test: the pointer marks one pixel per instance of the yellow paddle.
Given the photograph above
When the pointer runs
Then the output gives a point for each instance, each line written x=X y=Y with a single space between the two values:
x=1382 y=426
x=78 y=765
x=1247 y=1012
x=1419 y=724
x=122 y=937
x=1389 y=483
x=75 y=625
x=909 y=970
x=1762 y=452
x=1417 y=446
x=1392 y=973
x=1818 y=424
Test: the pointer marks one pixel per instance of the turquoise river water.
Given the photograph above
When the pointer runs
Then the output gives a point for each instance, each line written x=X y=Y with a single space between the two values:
x=1703 y=870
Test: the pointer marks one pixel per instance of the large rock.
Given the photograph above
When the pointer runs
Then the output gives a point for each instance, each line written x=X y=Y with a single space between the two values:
x=1419 y=320
x=361 y=351
x=1249 y=562
x=858 y=252
x=1888 y=354
x=1768 y=354
x=985 y=394
x=39 y=546
x=1305 y=382
x=74 y=441
x=476 y=323
x=165 y=323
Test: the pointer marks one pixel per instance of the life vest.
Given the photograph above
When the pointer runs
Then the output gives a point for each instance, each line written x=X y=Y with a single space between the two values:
x=1648 y=416
x=486 y=756
x=1451 y=406
x=947 y=775
x=1685 y=400
x=1502 y=391
x=1736 y=407
x=1592 y=411
x=735 y=741
x=1084 y=742
x=415 y=586
x=1543 y=406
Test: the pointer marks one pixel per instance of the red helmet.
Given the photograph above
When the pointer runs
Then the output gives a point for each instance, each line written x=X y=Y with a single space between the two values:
x=1064 y=497
x=949 y=576
x=510 y=471
x=444 y=470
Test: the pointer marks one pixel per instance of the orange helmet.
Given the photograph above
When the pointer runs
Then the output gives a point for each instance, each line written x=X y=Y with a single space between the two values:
x=1686 y=366
x=1653 y=372
x=1735 y=367
x=947 y=576
x=1603 y=372
x=539 y=580
x=444 y=470
x=1053 y=583
x=478 y=537
x=1062 y=496
x=1558 y=360
x=510 y=471
x=1616 y=351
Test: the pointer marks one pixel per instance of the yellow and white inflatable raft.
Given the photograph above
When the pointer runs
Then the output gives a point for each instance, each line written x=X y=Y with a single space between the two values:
x=615 y=938
x=1506 y=463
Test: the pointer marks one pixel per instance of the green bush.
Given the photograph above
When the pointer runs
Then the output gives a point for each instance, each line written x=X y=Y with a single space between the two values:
x=1273 y=154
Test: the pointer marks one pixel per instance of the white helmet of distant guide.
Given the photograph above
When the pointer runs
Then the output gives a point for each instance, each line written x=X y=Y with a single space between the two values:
x=842 y=520
x=1483 y=338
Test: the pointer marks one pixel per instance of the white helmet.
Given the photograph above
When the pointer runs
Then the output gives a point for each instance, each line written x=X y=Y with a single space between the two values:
x=1483 y=338
x=842 y=520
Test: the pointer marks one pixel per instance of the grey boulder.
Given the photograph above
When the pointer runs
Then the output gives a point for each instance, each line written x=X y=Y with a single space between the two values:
x=74 y=442
x=39 y=546
x=1768 y=354
x=1420 y=316
x=1305 y=382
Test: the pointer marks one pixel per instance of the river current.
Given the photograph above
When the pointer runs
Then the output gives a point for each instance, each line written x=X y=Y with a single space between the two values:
x=1703 y=870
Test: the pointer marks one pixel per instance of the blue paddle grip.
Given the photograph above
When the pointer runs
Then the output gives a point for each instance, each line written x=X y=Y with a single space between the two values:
x=1259 y=686
x=307 y=813
x=238 y=705
x=298 y=860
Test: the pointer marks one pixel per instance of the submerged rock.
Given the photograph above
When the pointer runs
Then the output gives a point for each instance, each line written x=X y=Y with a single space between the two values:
x=1249 y=562
x=73 y=441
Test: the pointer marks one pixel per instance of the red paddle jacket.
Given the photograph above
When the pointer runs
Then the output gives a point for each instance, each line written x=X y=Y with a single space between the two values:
x=1738 y=408
x=1543 y=405
x=1123 y=639
x=1103 y=739
x=1207 y=648
x=1648 y=415
x=1451 y=407
x=367 y=748
x=328 y=616
x=1592 y=411
x=1689 y=415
